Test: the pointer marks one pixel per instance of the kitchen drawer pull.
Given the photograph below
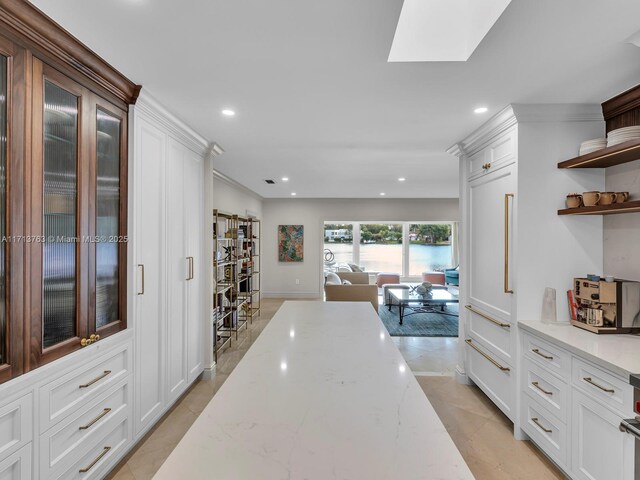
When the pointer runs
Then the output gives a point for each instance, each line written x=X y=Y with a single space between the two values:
x=90 y=424
x=496 y=364
x=537 y=422
x=590 y=381
x=141 y=266
x=535 y=384
x=537 y=352
x=105 y=450
x=97 y=379
x=487 y=317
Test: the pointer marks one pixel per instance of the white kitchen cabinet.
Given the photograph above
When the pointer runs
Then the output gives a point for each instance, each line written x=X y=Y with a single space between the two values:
x=513 y=243
x=600 y=451
x=148 y=233
x=17 y=466
x=169 y=245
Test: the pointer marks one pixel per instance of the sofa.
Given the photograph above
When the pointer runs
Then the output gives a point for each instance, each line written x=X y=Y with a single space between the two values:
x=452 y=276
x=356 y=288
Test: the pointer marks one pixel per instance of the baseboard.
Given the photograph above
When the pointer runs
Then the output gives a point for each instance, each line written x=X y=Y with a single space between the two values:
x=209 y=372
x=462 y=377
x=312 y=295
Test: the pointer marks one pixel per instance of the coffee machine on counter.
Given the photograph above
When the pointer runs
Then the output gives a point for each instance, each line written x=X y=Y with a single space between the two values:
x=607 y=307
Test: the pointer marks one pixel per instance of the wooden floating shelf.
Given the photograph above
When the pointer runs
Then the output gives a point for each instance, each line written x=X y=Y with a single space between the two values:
x=626 y=207
x=607 y=157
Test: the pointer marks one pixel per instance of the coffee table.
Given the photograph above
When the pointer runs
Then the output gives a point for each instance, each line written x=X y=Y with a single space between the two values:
x=436 y=302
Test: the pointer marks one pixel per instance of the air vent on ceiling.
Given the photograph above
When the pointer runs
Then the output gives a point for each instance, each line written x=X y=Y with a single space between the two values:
x=270 y=182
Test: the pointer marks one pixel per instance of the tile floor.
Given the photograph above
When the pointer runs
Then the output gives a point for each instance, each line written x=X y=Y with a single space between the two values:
x=481 y=432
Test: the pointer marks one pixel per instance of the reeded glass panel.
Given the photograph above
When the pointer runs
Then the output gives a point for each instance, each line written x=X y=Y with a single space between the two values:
x=3 y=207
x=107 y=211
x=59 y=222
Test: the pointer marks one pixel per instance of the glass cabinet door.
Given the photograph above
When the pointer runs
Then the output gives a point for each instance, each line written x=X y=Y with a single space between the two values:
x=107 y=219
x=60 y=194
x=4 y=324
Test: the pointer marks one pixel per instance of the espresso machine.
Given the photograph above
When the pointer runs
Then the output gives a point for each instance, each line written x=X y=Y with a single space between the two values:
x=607 y=307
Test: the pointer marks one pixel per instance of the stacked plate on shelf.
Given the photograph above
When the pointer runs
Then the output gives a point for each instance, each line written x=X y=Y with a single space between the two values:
x=592 y=145
x=622 y=135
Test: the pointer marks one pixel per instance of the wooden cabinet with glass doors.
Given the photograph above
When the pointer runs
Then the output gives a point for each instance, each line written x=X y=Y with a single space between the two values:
x=63 y=193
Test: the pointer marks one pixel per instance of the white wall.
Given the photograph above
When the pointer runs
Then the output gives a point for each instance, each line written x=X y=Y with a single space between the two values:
x=231 y=197
x=278 y=279
x=622 y=232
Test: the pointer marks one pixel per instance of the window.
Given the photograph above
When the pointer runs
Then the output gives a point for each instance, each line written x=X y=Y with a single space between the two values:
x=430 y=247
x=405 y=248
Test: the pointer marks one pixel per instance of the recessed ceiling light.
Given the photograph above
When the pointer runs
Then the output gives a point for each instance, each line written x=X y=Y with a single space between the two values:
x=293 y=194
x=228 y=113
x=382 y=194
x=401 y=179
x=481 y=110
x=285 y=179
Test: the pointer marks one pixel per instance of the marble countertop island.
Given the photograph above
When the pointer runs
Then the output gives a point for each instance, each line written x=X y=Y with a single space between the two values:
x=323 y=393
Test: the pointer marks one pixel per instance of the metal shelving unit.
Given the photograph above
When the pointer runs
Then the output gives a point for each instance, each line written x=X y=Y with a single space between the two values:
x=236 y=293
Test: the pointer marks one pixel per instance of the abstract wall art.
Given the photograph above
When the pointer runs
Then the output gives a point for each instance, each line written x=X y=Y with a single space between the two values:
x=290 y=243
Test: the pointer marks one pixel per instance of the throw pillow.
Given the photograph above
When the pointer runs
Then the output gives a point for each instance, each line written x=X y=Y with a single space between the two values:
x=346 y=282
x=332 y=279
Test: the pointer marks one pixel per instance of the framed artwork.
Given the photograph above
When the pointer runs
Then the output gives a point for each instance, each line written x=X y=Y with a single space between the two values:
x=290 y=243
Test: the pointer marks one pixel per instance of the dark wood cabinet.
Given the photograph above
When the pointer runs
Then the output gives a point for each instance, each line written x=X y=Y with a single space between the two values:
x=63 y=192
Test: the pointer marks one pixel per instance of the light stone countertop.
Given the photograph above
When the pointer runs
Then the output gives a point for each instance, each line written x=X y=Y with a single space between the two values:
x=323 y=393
x=619 y=354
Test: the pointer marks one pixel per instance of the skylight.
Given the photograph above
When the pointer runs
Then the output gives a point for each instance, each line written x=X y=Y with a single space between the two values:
x=443 y=30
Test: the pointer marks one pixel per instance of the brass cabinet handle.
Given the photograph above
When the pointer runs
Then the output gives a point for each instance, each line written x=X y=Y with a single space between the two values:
x=88 y=341
x=590 y=381
x=487 y=317
x=535 y=384
x=486 y=166
x=506 y=242
x=97 y=379
x=92 y=422
x=537 y=352
x=496 y=364
x=190 y=267
x=537 y=422
x=141 y=266
x=105 y=450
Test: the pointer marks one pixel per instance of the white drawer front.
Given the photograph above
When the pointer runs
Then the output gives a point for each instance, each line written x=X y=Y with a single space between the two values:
x=16 y=420
x=499 y=385
x=549 y=433
x=67 y=394
x=555 y=359
x=546 y=389
x=96 y=462
x=492 y=331
x=61 y=445
x=599 y=384
x=17 y=466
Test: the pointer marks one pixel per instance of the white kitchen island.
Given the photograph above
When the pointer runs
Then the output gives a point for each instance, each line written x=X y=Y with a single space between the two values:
x=323 y=393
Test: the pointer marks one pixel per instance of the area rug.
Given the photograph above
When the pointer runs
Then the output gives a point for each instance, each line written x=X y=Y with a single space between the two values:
x=420 y=324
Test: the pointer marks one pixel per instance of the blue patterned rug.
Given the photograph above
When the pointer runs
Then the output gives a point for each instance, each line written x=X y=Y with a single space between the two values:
x=420 y=324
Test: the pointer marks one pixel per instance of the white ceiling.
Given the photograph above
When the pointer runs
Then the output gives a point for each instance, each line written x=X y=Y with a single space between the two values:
x=315 y=97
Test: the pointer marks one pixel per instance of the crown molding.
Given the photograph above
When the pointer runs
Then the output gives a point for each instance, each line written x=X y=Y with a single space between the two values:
x=513 y=114
x=149 y=106
x=217 y=175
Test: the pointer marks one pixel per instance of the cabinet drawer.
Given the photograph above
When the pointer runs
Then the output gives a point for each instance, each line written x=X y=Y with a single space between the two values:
x=102 y=455
x=484 y=368
x=61 y=445
x=545 y=388
x=547 y=431
x=492 y=331
x=553 y=358
x=16 y=419
x=603 y=386
x=71 y=392
x=17 y=466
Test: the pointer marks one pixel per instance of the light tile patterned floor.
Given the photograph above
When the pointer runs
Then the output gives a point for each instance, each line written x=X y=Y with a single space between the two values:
x=481 y=432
